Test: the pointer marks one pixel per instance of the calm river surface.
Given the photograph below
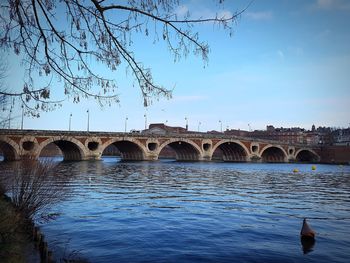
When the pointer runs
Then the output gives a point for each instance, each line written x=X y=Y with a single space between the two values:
x=170 y=211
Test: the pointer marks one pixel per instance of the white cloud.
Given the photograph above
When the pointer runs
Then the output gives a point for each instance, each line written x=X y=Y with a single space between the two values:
x=197 y=11
x=325 y=4
x=181 y=11
x=225 y=14
x=323 y=34
x=188 y=98
x=332 y=4
x=263 y=15
x=208 y=13
x=280 y=54
x=296 y=51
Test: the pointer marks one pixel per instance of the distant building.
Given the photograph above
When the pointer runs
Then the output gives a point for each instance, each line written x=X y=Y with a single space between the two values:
x=270 y=128
x=241 y=133
x=162 y=129
x=215 y=132
x=341 y=137
x=312 y=138
x=294 y=135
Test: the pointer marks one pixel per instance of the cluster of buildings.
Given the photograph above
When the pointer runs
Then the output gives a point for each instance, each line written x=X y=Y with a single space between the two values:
x=294 y=135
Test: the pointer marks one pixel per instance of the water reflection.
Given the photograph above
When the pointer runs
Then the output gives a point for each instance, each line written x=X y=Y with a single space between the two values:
x=307 y=244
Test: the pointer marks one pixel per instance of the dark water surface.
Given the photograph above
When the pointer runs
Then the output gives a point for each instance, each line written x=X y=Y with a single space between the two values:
x=200 y=212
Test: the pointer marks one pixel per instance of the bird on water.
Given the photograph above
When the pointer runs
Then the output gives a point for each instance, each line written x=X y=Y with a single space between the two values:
x=307 y=237
x=307 y=231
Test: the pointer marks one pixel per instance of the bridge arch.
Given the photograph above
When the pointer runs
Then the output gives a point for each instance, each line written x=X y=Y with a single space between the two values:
x=232 y=151
x=273 y=154
x=71 y=148
x=10 y=149
x=129 y=148
x=185 y=150
x=306 y=155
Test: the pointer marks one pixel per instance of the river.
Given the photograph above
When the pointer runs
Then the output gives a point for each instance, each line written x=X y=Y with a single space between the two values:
x=169 y=211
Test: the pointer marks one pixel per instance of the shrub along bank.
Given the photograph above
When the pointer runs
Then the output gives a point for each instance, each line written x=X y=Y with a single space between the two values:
x=15 y=238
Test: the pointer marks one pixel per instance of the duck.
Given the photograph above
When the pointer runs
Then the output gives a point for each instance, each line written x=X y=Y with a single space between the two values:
x=306 y=231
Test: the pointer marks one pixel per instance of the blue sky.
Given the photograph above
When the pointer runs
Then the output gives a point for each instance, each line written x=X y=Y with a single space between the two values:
x=287 y=64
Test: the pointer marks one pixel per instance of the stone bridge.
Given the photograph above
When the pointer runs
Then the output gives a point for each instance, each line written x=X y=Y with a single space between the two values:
x=76 y=146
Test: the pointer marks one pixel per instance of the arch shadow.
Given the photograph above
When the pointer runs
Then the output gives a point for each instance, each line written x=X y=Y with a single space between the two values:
x=9 y=152
x=273 y=154
x=126 y=149
x=72 y=149
x=184 y=150
x=230 y=152
x=306 y=156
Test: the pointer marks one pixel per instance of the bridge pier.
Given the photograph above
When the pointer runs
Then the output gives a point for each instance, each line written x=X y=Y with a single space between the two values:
x=254 y=158
x=93 y=156
x=150 y=156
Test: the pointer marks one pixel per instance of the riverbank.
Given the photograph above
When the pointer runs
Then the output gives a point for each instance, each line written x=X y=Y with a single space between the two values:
x=15 y=240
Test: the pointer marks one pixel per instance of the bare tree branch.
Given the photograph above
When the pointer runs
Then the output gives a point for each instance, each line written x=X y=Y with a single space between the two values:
x=94 y=33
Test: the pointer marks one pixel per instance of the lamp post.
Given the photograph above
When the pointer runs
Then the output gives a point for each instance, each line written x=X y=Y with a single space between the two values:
x=22 y=117
x=126 y=122
x=70 y=121
x=10 y=118
x=186 y=119
x=145 y=115
x=88 y=120
x=199 y=124
x=220 y=125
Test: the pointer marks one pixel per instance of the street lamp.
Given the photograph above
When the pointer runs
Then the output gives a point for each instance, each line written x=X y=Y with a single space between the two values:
x=22 y=117
x=70 y=121
x=145 y=115
x=88 y=120
x=199 y=124
x=126 y=121
x=220 y=125
x=10 y=119
x=186 y=123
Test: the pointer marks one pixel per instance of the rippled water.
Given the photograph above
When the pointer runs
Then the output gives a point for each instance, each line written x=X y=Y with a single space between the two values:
x=201 y=212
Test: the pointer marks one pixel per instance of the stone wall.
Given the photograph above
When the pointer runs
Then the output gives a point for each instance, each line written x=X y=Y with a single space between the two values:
x=335 y=154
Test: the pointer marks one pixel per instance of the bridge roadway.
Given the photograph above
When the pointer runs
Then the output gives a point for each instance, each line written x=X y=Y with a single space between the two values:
x=80 y=145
